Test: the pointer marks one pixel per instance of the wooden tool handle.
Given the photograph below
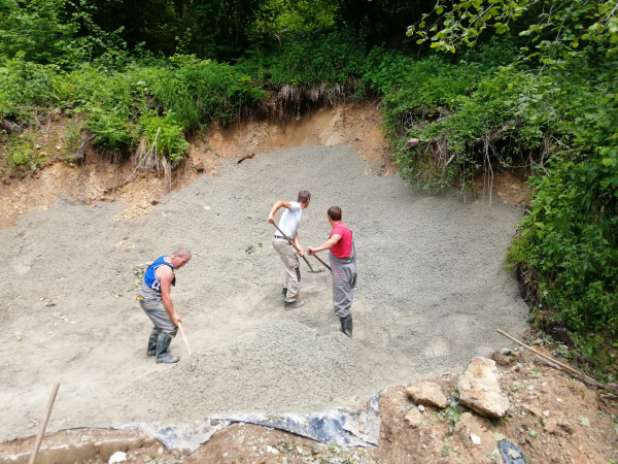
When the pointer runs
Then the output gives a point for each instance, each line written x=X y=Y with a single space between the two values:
x=322 y=262
x=184 y=338
x=39 y=437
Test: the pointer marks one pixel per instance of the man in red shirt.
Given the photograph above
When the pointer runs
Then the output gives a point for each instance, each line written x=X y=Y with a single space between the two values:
x=343 y=264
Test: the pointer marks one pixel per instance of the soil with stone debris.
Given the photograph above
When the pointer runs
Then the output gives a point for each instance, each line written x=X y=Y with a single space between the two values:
x=552 y=418
x=432 y=290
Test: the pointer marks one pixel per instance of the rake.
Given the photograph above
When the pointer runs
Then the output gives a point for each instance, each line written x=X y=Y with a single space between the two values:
x=291 y=242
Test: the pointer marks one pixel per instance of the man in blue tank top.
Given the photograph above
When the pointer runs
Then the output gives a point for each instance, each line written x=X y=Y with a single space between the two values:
x=155 y=299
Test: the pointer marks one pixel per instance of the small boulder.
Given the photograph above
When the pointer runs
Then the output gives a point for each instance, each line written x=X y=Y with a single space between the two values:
x=480 y=391
x=428 y=394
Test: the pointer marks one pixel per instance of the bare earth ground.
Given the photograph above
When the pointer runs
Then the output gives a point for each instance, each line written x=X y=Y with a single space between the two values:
x=432 y=291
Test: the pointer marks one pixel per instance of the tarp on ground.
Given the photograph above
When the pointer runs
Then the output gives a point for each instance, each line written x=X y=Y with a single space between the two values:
x=339 y=426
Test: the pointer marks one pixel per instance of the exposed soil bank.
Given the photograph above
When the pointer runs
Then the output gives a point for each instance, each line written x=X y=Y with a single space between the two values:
x=97 y=179
x=553 y=418
x=432 y=290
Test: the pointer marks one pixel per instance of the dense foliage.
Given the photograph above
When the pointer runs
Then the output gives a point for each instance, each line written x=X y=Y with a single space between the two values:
x=525 y=85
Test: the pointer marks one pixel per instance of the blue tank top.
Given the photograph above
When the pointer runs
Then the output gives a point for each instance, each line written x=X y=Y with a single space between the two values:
x=150 y=279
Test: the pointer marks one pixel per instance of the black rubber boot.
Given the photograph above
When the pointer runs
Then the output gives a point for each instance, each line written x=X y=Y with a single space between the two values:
x=346 y=325
x=162 y=353
x=152 y=342
x=284 y=292
x=293 y=304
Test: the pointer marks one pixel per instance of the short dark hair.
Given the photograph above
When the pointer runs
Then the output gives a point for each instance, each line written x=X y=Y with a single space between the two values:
x=304 y=196
x=334 y=212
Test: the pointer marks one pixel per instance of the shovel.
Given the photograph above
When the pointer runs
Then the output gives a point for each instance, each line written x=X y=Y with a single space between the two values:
x=291 y=242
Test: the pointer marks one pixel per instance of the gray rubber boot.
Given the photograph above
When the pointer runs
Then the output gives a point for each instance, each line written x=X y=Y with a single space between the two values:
x=152 y=342
x=163 y=355
x=346 y=325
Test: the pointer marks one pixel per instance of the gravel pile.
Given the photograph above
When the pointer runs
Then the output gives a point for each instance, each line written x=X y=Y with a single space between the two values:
x=432 y=290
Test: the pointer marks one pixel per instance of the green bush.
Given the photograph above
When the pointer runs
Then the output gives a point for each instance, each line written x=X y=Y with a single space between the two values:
x=110 y=130
x=184 y=90
x=21 y=154
x=569 y=239
x=199 y=91
x=25 y=88
x=164 y=136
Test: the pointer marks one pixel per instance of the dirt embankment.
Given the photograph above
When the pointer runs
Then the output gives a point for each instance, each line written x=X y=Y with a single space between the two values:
x=98 y=179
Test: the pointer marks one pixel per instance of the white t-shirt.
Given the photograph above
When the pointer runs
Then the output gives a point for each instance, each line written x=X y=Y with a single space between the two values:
x=290 y=219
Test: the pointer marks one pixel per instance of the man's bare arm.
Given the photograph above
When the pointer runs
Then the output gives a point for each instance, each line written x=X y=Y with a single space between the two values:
x=166 y=276
x=278 y=205
x=327 y=245
x=298 y=247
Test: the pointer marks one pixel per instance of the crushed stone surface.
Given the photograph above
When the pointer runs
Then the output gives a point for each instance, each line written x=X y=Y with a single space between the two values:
x=432 y=289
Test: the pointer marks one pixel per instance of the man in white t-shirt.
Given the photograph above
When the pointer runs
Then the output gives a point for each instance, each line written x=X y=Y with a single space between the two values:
x=288 y=224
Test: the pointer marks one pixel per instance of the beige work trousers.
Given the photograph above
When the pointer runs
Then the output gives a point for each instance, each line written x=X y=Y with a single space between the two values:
x=291 y=272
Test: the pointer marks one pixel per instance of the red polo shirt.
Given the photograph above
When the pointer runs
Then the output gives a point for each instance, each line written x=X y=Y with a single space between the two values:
x=343 y=248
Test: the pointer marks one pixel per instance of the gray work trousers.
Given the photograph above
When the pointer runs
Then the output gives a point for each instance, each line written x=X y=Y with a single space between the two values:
x=161 y=322
x=291 y=271
x=344 y=282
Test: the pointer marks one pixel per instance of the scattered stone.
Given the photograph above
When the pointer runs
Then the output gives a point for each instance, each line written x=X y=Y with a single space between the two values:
x=414 y=418
x=470 y=425
x=551 y=426
x=584 y=421
x=480 y=391
x=154 y=202
x=503 y=359
x=199 y=167
x=428 y=394
x=50 y=304
x=117 y=457
x=421 y=408
x=498 y=436
x=533 y=410
x=413 y=142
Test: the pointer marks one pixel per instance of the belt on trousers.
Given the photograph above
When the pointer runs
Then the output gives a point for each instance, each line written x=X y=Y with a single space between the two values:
x=279 y=236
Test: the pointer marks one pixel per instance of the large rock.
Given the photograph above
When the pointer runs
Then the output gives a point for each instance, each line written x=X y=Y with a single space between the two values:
x=428 y=394
x=480 y=391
